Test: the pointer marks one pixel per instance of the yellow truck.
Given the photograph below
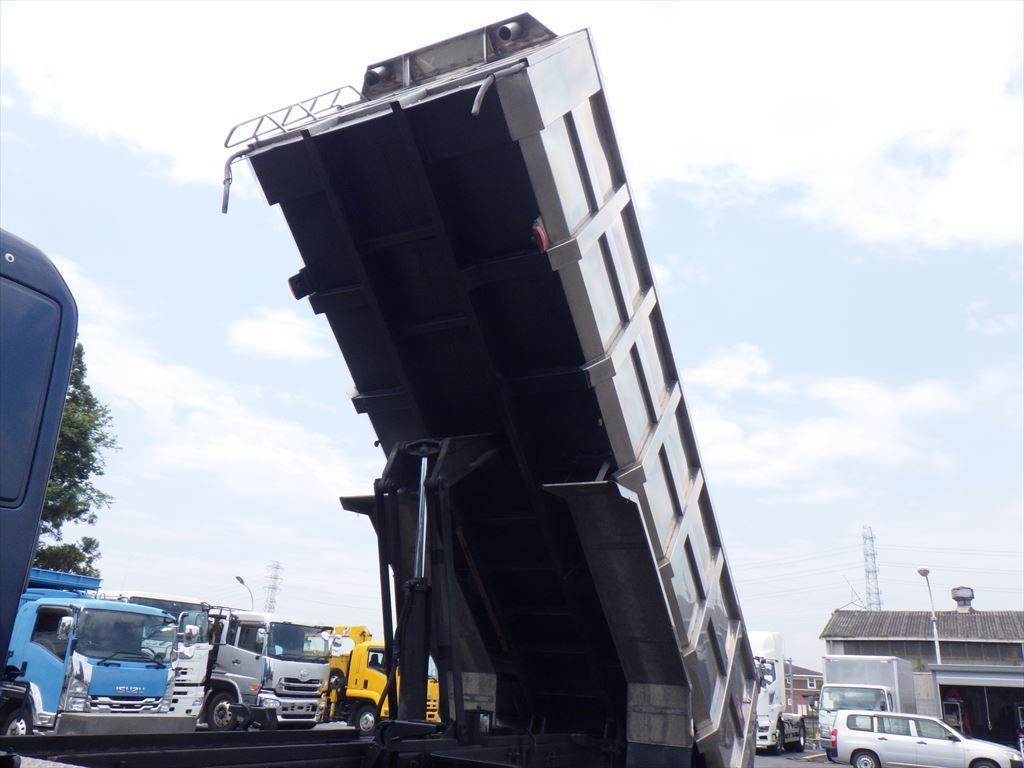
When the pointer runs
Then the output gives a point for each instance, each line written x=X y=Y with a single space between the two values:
x=357 y=678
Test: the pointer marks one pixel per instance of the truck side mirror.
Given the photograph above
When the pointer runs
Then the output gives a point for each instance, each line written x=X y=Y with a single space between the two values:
x=64 y=627
x=190 y=634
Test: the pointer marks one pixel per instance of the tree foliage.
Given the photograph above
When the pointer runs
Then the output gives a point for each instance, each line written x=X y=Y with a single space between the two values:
x=73 y=558
x=71 y=496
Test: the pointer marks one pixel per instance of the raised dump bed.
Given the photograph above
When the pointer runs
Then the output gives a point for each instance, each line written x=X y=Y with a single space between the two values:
x=469 y=234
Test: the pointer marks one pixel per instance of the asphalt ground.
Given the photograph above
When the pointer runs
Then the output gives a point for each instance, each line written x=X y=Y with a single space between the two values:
x=793 y=760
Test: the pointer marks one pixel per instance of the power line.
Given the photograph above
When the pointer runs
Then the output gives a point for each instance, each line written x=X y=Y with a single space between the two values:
x=774 y=564
x=1009 y=571
x=874 y=594
x=962 y=550
x=816 y=571
x=1007 y=590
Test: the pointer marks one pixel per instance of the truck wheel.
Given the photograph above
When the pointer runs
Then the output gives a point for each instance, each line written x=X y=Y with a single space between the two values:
x=15 y=724
x=363 y=718
x=780 y=739
x=864 y=759
x=219 y=716
x=800 y=743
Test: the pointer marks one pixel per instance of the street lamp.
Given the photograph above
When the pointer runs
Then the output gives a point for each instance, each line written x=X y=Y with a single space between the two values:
x=923 y=571
x=252 y=602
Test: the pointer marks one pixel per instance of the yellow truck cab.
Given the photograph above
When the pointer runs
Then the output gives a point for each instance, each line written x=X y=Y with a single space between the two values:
x=357 y=678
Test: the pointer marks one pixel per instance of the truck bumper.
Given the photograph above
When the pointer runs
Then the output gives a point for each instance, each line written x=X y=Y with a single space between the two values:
x=187 y=700
x=86 y=724
x=304 y=711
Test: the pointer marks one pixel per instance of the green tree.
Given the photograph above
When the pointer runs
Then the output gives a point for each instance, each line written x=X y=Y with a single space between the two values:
x=71 y=496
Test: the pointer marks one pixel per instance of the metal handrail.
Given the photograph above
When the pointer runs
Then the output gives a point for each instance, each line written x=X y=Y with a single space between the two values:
x=287 y=118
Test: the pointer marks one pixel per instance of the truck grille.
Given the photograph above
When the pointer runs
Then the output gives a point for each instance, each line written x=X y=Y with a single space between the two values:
x=124 y=704
x=293 y=686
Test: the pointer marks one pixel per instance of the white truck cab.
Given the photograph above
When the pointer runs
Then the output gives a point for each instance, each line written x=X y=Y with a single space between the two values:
x=777 y=730
x=263 y=660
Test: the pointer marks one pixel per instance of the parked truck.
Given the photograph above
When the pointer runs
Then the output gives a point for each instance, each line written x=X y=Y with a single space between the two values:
x=875 y=683
x=545 y=530
x=192 y=655
x=264 y=661
x=357 y=680
x=777 y=729
x=90 y=666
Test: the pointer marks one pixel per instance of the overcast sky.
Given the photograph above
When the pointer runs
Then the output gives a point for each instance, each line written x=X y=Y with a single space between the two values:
x=831 y=195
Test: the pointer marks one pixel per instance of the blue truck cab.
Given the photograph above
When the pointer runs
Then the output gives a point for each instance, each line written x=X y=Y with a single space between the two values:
x=91 y=666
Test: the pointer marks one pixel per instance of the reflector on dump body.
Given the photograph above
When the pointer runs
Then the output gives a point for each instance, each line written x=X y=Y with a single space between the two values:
x=593 y=563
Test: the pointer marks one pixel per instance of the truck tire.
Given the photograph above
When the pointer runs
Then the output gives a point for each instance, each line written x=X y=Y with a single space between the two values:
x=363 y=718
x=862 y=758
x=780 y=739
x=15 y=723
x=218 y=716
x=800 y=743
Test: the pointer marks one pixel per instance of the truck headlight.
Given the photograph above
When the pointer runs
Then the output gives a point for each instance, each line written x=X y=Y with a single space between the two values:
x=77 y=704
x=76 y=696
x=268 y=701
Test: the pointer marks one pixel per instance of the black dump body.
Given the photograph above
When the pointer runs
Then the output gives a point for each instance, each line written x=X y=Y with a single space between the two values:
x=469 y=235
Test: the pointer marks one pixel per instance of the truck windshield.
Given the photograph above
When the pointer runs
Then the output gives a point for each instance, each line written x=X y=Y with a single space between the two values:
x=194 y=613
x=294 y=642
x=872 y=699
x=128 y=636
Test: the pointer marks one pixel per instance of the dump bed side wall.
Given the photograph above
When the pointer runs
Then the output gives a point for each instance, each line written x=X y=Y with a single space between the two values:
x=563 y=127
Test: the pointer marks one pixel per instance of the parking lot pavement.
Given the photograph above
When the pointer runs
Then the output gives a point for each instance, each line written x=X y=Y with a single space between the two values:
x=788 y=761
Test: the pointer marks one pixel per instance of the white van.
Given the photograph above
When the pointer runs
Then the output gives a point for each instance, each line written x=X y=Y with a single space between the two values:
x=868 y=739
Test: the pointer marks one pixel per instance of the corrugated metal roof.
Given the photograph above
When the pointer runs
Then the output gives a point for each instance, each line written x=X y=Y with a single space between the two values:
x=916 y=625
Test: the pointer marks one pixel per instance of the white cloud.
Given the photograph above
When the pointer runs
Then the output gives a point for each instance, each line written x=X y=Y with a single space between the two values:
x=895 y=123
x=987 y=324
x=214 y=478
x=279 y=333
x=741 y=366
x=674 y=273
x=813 y=439
x=195 y=422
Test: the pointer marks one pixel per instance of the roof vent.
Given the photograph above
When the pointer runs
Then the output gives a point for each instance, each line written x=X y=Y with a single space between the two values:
x=964 y=596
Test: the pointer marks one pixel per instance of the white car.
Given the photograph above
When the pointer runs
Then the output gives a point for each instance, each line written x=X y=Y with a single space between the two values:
x=881 y=739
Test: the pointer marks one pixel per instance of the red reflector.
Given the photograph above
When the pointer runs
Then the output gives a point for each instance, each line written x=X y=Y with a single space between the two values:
x=540 y=237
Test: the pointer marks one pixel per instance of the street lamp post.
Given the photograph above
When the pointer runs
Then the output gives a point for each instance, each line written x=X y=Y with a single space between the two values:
x=252 y=602
x=923 y=571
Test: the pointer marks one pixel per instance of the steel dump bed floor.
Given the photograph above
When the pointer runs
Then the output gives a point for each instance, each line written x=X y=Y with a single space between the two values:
x=485 y=274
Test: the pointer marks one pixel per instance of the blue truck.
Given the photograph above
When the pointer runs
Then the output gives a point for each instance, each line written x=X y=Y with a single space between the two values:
x=89 y=666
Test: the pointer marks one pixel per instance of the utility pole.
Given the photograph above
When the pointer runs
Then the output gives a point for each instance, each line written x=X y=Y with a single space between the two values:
x=272 y=586
x=873 y=593
x=923 y=571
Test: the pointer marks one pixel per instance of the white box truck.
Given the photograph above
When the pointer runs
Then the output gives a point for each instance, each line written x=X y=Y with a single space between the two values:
x=875 y=683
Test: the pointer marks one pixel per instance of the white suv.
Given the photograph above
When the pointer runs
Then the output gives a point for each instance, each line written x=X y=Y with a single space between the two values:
x=876 y=739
